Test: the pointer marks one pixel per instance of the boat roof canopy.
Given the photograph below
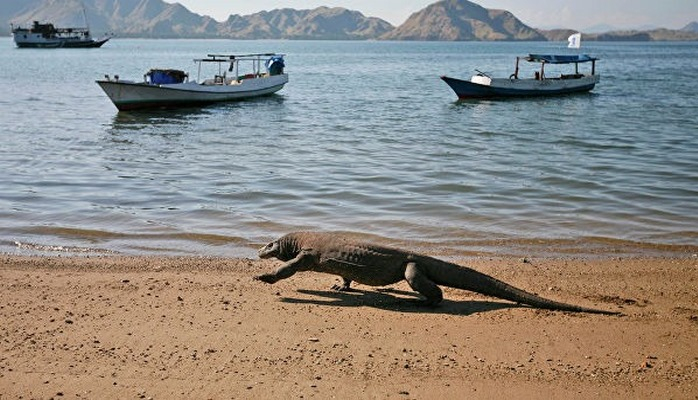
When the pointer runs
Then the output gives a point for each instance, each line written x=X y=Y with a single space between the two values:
x=560 y=59
x=232 y=57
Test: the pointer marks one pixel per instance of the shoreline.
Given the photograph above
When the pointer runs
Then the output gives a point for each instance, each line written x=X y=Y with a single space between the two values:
x=201 y=327
x=458 y=247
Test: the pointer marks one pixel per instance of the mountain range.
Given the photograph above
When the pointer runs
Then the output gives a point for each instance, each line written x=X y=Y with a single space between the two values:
x=449 y=20
x=462 y=20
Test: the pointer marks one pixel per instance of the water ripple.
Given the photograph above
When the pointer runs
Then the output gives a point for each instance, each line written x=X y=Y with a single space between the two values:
x=363 y=139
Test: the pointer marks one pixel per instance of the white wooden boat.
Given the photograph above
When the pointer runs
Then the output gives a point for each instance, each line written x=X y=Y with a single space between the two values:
x=485 y=86
x=165 y=88
x=50 y=37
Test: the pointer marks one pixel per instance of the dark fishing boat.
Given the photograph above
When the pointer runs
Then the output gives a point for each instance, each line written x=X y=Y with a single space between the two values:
x=482 y=85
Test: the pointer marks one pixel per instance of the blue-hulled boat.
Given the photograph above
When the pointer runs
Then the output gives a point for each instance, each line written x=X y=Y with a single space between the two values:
x=482 y=85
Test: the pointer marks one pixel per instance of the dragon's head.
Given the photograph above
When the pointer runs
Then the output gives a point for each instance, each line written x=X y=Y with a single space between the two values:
x=285 y=248
x=271 y=250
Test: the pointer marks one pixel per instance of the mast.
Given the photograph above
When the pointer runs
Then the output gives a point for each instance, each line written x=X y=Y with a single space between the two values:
x=84 y=16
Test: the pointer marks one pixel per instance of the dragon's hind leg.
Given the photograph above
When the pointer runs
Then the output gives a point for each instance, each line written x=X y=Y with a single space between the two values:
x=420 y=283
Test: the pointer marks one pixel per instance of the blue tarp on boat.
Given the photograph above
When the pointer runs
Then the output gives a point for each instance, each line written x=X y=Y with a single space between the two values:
x=560 y=59
x=275 y=65
x=165 y=76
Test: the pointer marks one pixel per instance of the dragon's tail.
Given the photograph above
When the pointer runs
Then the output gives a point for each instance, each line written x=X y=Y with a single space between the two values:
x=458 y=277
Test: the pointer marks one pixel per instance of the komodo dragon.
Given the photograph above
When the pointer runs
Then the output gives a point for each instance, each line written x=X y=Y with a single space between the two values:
x=374 y=265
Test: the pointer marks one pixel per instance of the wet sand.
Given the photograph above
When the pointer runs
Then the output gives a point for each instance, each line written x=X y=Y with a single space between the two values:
x=196 y=328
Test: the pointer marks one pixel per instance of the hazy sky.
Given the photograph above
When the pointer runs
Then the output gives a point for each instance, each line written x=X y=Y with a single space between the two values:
x=673 y=14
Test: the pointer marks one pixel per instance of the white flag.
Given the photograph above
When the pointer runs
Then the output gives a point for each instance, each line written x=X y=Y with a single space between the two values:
x=575 y=41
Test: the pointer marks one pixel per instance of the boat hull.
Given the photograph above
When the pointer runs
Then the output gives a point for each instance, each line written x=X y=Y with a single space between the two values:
x=133 y=96
x=503 y=88
x=56 y=44
x=46 y=36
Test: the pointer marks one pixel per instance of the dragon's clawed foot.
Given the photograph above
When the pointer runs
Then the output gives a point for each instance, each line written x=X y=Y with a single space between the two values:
x=266 y=278
x=342 y=287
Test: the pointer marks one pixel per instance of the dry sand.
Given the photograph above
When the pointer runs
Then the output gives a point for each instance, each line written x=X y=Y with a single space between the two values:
x=199 y=328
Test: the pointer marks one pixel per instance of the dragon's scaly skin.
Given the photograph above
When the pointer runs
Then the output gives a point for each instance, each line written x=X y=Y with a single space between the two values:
x=374 y=265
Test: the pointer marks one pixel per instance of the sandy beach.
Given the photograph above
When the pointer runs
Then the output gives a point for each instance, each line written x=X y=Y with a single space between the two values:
x=201 y=328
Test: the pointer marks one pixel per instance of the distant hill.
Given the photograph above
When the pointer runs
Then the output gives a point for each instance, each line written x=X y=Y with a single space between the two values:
x=457 y=20
x=692 y=27
x=320 y=23
x=599 y=28
x=141 y=18
x=10 y=9
x=558 y=35
x=655 y=35
x=662 y=34
x=451 y=20
x=156 y=18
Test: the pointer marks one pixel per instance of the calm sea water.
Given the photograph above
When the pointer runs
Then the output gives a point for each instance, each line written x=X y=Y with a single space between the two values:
x=365 y=138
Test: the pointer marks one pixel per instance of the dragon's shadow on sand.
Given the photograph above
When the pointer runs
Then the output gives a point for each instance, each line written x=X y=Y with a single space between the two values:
x=394 y=300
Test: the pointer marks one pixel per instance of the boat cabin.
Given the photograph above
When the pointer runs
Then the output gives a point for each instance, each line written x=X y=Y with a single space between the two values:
x=544 y=59
x=234 y=68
